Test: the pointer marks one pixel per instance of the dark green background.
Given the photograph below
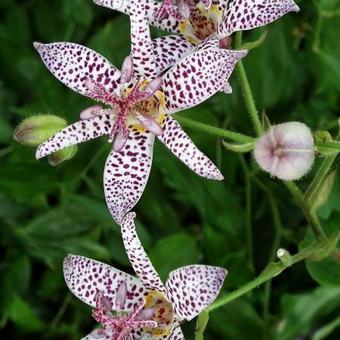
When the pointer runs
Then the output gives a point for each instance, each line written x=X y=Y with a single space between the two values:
x=47 y=212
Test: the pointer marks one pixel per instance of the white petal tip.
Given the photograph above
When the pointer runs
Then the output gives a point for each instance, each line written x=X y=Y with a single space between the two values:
x=38 y=46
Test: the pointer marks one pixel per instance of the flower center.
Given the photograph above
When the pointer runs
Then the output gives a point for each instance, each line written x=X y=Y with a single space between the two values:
x=140 y=105
x=201 y=23
x=154 y=316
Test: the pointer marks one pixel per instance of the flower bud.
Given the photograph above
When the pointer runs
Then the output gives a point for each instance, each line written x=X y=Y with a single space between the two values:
x=37 y=129
x=62 y=155
x=34 y=130
x=286 y=151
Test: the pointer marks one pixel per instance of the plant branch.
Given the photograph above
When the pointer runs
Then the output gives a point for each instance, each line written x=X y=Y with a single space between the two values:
x=272 y=270
x=247 y=93
x=215 y=131
x=310 y=215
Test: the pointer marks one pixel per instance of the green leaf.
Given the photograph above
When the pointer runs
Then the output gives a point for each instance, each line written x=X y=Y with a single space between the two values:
x=172 y=252
x=324 y=191
x=201 y=324
x=22 y=314
x=257 y=43
x=300 y=311
x=236 y=320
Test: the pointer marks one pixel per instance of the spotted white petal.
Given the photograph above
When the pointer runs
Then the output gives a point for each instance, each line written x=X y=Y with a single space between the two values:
x=126 y=173
x=169 y=23
x=78 y=132
x=169 y=50
x=142 y=52
x=174 y=138
x=191 y=289
x=86 y=277
x=226 y=88
x=177 y=333
x=198 y=76
x=75 y=65
x=240 y=15
x=137 y=255
x=99 y=334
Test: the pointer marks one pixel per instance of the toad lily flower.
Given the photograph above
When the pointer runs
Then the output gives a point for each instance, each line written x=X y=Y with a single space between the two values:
x=143 y=306
x=138 y=107
x=222 y=17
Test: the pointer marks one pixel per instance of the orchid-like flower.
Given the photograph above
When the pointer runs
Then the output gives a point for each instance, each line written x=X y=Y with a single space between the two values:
x=138 y=105
x=142 y=306
x=202 y=19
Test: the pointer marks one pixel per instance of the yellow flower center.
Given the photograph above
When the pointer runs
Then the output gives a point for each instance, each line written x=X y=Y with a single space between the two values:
x=163 y=313
x=201 y=24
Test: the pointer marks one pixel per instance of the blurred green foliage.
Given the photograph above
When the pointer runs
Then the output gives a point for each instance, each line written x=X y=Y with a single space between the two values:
x=47 y=212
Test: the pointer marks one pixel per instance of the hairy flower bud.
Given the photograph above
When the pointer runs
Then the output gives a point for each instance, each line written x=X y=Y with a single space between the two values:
x=34 y=130
x=62 y=155
x=37 y=129
x=286 y=151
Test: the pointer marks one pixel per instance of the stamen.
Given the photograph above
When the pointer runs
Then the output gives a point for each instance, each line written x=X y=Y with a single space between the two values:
x=120 y=139
x=146 y=314
x=121 y=296
x=152 y=87
x=90 y=112
x=183 y=9
x=150 y=124
x=127 y=70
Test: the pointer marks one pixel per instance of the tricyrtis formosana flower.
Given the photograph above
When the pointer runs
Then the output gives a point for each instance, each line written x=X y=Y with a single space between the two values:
x=138 y=105
x=221 y=17
x=144 y=305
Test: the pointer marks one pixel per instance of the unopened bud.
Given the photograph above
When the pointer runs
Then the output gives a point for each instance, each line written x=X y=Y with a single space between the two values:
x=286 y=151
x=35 y=130
x=62 y=155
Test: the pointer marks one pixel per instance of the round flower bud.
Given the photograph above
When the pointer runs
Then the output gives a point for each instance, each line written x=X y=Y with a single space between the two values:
x=286 y=151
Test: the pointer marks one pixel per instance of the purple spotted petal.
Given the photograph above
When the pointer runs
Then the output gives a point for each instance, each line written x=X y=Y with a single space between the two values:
x=99 y=334
x=126 y=173
x=169 y=50
x=182 y=146
x=75 y=65
x=137 y=255
x=141 y=44
x=169 y=23
x=241 y=15
x=198 y=76
x=76 y=133
x=226 y=88
x=191 y=289
x=86 y=277
x=177 y=333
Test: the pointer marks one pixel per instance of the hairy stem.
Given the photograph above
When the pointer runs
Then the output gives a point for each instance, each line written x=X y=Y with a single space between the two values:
x=247 y=93
x=215 y=131
x=249 y=230
x=311 y=217
x=272 y=270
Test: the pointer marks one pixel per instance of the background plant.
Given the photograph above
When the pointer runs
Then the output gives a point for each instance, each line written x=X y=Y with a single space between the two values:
x=239 y=224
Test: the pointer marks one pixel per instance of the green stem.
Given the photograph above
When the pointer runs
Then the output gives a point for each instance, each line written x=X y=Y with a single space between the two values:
x=277 y=240
x=328 y=145
x=317 y=29
x=249 y=231
x=215 y=131
x=247 y=93
x=272 y=270
x=310 y=215
x=321 y=175
x=7 y=150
